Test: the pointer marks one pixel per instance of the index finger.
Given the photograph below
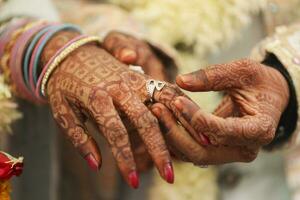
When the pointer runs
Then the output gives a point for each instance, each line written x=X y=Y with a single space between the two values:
x=177 y=137
x=257 y=129
x=167 y=96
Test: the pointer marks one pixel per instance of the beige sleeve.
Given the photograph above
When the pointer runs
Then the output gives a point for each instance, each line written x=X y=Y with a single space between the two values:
x=285 y=45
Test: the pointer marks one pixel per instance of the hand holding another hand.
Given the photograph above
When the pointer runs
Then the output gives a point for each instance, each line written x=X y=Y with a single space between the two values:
x=246 y=119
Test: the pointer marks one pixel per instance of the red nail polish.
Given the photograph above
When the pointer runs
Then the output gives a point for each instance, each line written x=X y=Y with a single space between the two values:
x=169 y=173
x=204 y=139
x=92 y=162
x=134 y=179
x=128 y=56
x=178 y=104
x=157 y=112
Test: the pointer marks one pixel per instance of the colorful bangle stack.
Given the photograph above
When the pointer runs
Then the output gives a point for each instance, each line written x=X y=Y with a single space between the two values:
x=21 y=45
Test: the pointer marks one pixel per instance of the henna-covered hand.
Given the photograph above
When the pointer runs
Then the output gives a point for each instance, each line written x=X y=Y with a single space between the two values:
x=233 y=78
x=247 y=118
x=131 y=50
x=91 y=83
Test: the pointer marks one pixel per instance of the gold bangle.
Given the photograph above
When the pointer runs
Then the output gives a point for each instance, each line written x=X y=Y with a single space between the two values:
x=62 y=55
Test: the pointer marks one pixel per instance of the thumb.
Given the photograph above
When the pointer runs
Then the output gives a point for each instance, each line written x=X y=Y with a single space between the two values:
x=218 y=77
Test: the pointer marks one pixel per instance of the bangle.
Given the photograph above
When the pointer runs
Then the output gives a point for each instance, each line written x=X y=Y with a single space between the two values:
x=58 y=58
x=10 y=46
x=35 y=57
x=7 y=33
x=18 y=54
x=6 y=45
x=28 y=54
x=9 y=28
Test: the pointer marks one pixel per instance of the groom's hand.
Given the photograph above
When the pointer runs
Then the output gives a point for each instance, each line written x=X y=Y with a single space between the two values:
x=257 y=95
x=246 y=119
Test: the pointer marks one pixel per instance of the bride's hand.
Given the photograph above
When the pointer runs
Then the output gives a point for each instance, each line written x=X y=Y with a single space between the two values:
x=91 y=83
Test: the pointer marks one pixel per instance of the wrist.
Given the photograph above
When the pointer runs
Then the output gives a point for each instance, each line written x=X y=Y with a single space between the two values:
x=288 y=121
x=55 y=43
x=284 y=86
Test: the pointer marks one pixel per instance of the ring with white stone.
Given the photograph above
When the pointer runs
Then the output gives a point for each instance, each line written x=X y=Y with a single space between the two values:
x=136 y=68
x=152 y=85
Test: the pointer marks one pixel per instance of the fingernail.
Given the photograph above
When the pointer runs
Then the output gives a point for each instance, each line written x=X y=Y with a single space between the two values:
x=186 y=79
x=178 y=104
x=169 y=173
x=128 y=55
x=92 y=162
x=134 y=179
x=204 y=139
x=156 y=111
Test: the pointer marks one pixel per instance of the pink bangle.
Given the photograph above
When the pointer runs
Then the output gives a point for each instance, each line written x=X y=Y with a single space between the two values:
x=16 y=63
x=39 y=82
x=6 y=36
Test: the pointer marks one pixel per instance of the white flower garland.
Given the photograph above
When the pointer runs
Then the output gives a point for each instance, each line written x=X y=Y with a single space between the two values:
x=203 y=26
x=8 y=108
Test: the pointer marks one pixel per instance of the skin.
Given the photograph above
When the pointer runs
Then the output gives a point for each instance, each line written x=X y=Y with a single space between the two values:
x=245 y=120
x=249 y=114
x=91 y=83
x=130 y=50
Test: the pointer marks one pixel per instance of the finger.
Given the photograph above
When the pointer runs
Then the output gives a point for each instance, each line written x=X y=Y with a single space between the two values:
x=75 y=131
x=148 y=128
x=153 y=67
x=108 y=121
x=149 y=61
x=167 y=97
x=142 y=157
x=258 y=129
x=226 y=108
x=120 y=46
x=156 y=109
x=130 y=50
x=220 y=77
x=194 y=152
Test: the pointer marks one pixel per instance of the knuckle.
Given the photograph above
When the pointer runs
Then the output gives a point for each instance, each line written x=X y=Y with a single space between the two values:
x=268 y=129
x=146 y=120
x=268 y=136
x=248 y=155
x=159 y=106
x=247 y=61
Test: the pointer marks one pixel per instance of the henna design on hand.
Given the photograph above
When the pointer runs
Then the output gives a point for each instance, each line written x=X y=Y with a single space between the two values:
x=91 y=81
x=247 y=118
x=187 y=149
